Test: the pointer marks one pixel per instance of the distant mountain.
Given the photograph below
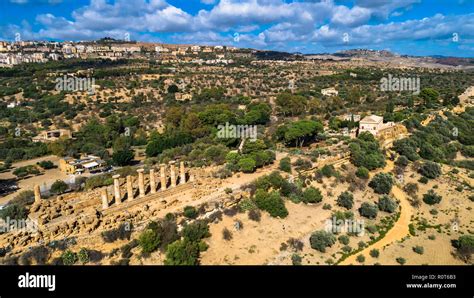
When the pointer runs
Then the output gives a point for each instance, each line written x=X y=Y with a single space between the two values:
x=274 y=55
x=365 y=53
x=453 y=61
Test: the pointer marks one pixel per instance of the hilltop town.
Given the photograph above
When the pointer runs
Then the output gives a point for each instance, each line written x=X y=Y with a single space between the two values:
x=113 y=152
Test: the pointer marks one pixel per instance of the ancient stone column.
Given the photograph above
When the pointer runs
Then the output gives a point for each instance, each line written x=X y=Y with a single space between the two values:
x=172 y=174
x=129 y=188
x=182 y=173
x=152 y=181
x=105 y=199
x=191 y=177
x=141 y=183
x=37 y=192
x=163 y=177
x=118 y=198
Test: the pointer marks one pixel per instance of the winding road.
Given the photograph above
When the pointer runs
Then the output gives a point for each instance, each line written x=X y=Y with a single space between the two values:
x=398 y=231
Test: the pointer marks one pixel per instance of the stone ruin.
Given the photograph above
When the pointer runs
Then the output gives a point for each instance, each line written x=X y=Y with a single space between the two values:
x=129 y=201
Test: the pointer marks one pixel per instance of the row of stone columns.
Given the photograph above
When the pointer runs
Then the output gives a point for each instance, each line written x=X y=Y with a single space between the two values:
x=141 y=183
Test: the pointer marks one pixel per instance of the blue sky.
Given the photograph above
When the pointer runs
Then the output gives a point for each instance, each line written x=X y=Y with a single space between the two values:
x=414 y=27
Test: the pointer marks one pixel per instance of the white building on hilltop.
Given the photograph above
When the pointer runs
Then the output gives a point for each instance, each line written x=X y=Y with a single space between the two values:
x=371 y=124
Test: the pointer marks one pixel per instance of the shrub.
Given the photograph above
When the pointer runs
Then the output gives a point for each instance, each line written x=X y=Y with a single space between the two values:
x=285 y=165
x=312 y=195
x=149 y=241
x=228 y=190
x=328 y=171
x=124 y=231
x=346 y=200
x=59 y=187
x=423 y=180
x=196 y=231
x=327 y=206
x=401 y=260
x=68 y=257
x=190 y=212
x=368 y=210
x=24 y=198
x=226 y=234
x=295 y=244
x=98 y=181
x=387 y=204
x=83 y=256
x=126 y=250
x=13 y=212
x=344 y=239
x=319 y=240
x=372 y=229
x=431 y=197
x=402 y=161
x=362 y=173
x=418 y=249
x=46 y=164
x=166 y=230
x=182 y=252
x=360 y=258
x=346 y=249
x=302 y=164
x=247 y=204
x=40 y=254
x=374 y=253
x=382 y=183
x=464 y=247
x=411 y=189
x=271 y=202
x=296 y=260
x=430 y=170
x=247 y=165
x=255 y=215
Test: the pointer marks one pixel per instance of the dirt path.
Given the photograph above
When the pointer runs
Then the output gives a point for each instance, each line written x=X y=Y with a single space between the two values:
x=400 y=228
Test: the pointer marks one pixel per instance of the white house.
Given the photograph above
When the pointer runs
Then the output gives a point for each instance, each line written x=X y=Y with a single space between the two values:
x=372 y=124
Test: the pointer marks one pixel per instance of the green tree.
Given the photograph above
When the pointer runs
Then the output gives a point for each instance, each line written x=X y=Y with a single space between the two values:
x=182 y=252
x=149 y=241
x=285 y=164
x=387 y=204
x=346 y=200
x=123 y=157
x=430 y=170
x=247 y=165
x=59 y=187
x=312 y=195
x=271 y=202
x=320 y=240
x=429 y=96
x=431 y=197
x=382 y=183
x=299 y=132
x=368 y=210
